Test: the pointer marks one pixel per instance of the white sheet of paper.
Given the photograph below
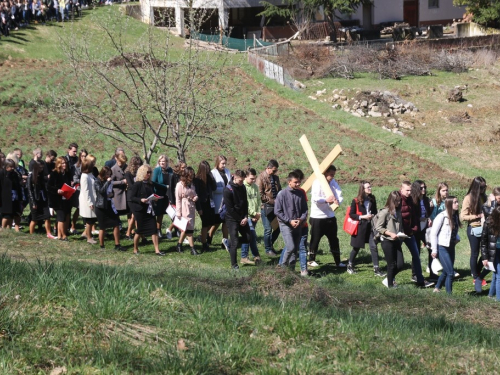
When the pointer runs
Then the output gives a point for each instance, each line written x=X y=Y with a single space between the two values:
x=181 y=223
x=401 y=235
x=491 y=267
x=170 y=212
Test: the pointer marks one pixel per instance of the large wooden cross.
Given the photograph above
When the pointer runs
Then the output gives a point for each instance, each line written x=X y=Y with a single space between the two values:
x=319 y=169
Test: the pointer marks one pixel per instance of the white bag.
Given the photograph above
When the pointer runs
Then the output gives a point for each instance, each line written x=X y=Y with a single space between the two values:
x=436 y=266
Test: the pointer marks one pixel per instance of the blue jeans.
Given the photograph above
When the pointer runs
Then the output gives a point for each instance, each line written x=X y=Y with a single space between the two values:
x=411 y=244
x=270 y=236
x=253 y=242
x=302 y=250
x=446 y=256
x=495 y=275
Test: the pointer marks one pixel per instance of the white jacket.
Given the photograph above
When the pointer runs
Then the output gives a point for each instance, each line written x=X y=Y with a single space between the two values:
x=441 y=232
x=320 y=209
x=217 y=194
x=87 y=195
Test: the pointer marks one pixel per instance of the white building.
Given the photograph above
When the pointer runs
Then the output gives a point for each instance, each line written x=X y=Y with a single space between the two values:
x=241 y=15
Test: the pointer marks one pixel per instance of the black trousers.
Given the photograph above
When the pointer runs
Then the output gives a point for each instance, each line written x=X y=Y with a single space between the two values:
x=233 y=229
x=394 y=256
x=324 y=227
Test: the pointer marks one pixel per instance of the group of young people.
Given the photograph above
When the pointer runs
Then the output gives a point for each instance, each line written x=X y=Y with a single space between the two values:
x=237 y=201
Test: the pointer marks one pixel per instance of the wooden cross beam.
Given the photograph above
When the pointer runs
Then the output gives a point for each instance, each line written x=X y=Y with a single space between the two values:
x=323 y=166
x=319 y=169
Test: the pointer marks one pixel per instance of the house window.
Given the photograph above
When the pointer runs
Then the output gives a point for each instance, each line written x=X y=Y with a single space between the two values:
x=433 y=4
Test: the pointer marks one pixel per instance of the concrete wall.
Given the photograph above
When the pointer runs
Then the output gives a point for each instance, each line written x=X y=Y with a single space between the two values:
x=466 y=29
x=446 y=12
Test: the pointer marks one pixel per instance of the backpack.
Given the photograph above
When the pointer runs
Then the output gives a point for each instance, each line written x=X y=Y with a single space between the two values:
x=376 y=234
x=223 y=209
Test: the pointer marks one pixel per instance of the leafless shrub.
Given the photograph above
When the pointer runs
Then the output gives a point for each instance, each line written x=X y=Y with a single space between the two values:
x=485 y=58
x=453 y=61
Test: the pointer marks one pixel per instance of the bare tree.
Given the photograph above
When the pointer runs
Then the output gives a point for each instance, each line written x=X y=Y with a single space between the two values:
x=146 y=93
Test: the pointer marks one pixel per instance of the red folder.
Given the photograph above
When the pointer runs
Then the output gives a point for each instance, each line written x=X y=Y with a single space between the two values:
x=68 y=191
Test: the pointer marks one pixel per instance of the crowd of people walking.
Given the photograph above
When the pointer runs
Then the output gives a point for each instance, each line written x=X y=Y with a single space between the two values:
x=71 y=186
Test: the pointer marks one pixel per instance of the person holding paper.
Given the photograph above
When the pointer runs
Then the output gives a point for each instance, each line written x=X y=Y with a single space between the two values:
x=142 y=207
x=57 y=178
x=185 y=206
x=444 y=237
x=389 y=223
x=490 y=246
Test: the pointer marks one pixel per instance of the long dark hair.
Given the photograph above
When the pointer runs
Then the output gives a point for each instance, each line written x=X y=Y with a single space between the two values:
x=187 y=176
x=103 y=173
x=476 y=196
x=133 y=165
x=448 y=204
x=79 y=162
x=203 y=171
x=362 y=196
x=416 y=192
x=37 y=172
x=393 y=201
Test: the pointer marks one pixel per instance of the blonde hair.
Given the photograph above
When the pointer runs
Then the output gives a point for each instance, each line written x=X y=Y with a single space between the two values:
x=13 y=157
x=142 y=172
x=163 y=157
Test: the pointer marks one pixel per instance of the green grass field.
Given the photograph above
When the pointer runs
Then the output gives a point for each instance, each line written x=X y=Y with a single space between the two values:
x=75 y=308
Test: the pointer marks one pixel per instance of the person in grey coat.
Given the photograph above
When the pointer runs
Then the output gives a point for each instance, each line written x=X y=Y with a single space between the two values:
x=290 y=207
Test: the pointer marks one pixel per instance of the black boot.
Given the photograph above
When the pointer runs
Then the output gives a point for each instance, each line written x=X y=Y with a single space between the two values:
x=179 y=248
x=194 y=252
x=205 y=247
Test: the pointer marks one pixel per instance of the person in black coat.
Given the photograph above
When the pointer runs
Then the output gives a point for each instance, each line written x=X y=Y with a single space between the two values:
x=10 y=193
x=105 y=210
x=363 y=208
x=236 y=202
x=142 y=208
x=38 y=196
x=57 y=178
x=490 y=253
x=130 y=174
x=205 y=184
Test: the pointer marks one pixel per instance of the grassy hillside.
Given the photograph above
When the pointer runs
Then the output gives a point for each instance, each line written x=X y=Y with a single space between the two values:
x=74 y=308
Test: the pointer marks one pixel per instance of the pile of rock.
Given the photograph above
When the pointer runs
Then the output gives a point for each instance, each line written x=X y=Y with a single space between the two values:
x=371 y=104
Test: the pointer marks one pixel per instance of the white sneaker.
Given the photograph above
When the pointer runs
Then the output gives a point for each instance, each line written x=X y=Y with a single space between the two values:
x=225 y=242
x=457 y=274
x=341 y=265
x=312 y=264
x=168 y=233
x=185 y=241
